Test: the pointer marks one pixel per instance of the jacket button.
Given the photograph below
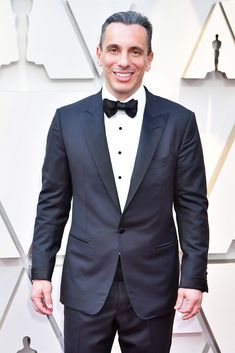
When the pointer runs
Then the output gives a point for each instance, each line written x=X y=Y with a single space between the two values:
x=121 y=230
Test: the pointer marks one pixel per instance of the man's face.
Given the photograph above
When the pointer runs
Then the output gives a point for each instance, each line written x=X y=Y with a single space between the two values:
x=124 y=58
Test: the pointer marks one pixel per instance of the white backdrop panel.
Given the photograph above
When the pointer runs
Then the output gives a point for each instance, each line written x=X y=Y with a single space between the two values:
x=7 y=247
x=52 y=42
x=203 y=58
x=221 y=211
x=9 y=276
x=8 y=38
x=219 y=305
x=229 y=7
x=213 y=103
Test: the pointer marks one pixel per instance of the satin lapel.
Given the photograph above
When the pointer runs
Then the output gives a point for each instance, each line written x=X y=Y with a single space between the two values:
x=151 y=132
x=92 y=122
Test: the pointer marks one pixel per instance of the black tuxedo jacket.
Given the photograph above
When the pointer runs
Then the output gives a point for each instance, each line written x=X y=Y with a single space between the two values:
x=168 y=172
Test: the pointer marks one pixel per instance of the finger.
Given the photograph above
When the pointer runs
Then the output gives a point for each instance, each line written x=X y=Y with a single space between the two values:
x=191 y=311
x=189 y=306
x=40 y=306
x=179 y=301
x=48 y=300
x=190 y=315
x=35 y=308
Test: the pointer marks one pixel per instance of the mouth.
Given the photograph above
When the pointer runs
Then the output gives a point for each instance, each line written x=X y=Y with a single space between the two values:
x=123 y=76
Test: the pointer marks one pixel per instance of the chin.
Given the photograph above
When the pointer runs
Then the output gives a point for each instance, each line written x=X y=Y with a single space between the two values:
x=124 y=88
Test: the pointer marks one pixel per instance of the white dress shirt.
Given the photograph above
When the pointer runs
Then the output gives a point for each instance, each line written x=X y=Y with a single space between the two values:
x=123 y=133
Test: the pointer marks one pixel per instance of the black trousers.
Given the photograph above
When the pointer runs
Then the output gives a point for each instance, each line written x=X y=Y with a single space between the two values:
x=85 y=333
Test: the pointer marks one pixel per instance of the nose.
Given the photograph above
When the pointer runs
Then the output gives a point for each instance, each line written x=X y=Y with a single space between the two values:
x=123 y=59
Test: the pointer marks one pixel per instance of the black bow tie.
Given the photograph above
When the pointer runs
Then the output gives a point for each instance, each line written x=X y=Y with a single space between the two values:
x=111 y=107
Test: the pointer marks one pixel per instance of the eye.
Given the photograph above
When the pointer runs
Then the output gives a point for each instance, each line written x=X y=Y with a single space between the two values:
x=136 y=52
x=112 y=50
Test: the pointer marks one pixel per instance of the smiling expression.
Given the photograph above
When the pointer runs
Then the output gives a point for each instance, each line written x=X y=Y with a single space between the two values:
x=124 y=58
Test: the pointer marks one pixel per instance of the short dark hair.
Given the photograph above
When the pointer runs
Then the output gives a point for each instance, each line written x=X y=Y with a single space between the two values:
x=129 y=18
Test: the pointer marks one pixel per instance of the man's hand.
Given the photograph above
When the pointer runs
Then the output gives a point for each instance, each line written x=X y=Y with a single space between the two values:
x=41 y=297
x=188 y=302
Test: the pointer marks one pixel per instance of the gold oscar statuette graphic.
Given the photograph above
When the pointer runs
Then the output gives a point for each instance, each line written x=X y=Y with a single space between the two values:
x=216 y=45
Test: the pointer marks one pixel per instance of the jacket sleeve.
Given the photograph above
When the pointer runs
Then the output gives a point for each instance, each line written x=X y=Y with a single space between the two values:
x=191 y=204
x=53 y=204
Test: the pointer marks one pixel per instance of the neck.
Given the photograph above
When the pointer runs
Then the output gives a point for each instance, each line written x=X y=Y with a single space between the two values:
x=122 y=96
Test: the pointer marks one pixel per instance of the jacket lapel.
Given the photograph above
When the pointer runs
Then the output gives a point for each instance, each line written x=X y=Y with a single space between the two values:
x=151 y=132
x=92 y=121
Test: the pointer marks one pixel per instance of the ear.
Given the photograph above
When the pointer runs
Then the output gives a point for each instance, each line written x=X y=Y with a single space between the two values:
x=98 y=54
x=150 y=59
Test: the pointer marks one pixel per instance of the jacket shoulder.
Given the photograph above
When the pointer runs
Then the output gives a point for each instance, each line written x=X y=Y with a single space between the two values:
x=166 y=105
x=83 y=104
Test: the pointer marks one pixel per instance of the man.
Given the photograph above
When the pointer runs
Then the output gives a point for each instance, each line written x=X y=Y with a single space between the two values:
x=121 y=268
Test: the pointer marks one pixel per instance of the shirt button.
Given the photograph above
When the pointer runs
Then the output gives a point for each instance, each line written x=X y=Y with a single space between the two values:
x=121 y=230
x=120 y=128
x=119 y=177
x=119 y=152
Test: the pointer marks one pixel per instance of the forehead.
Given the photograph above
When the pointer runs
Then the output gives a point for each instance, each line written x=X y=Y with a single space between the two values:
x=122 y=34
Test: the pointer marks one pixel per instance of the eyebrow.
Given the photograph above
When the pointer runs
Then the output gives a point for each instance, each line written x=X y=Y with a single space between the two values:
x=134 y=47
x=112 y=45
